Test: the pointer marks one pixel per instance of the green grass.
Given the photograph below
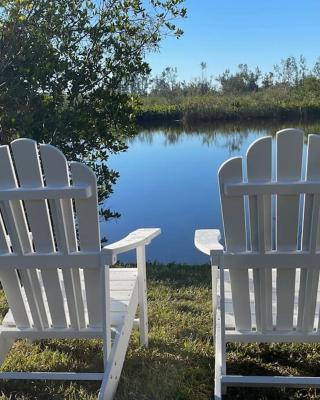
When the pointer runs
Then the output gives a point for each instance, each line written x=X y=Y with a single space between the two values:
x=179 y=363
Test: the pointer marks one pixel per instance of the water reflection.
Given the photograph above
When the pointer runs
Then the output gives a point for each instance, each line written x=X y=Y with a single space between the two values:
x=210 y=134
x=232 y=141
x=267 y=127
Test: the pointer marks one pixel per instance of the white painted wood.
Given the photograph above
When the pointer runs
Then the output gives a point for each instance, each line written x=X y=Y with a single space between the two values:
x=222 y=325
x=122 y=283
x=52 y=376
x=11 y=284
x=15 y=221
x=56 y=173
x=118 y=352
x=283 y=260
x=25 y=152
x=310 y=239
x=106 y=317
x=232 y=207
x=207 y=240
x=289 y=141
x=235 y=238
x=135 y=239
x=230 y=324
x=142 y=282
x=218 y=356
x=310 y=297
x=12 y=289
x=281 y=188
x=50 y=260
x=312 y=176
x=273 y=381
x=214 y=282
x=271 y=337
x=12 y=212
x=38 y=239
x=259 y=169
x=89 y=239
x=51 y=333
x=5 y=243
x=42 y=193
x=283 y=284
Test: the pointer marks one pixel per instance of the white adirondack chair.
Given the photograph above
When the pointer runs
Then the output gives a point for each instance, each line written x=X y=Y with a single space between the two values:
x=54 y=273
x=266 y=287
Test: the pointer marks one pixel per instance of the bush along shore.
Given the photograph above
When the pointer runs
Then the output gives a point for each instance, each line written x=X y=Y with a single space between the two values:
x=264 y=105
x=291 y=91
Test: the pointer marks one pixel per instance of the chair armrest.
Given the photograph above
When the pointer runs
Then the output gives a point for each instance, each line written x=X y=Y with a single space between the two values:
x=137 y=238
x=207 y=240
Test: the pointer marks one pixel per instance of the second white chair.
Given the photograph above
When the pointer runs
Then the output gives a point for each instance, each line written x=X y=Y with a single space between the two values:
x=265 y=280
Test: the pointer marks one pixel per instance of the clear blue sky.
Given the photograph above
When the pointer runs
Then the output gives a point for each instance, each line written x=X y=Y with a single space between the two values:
x=225 y=33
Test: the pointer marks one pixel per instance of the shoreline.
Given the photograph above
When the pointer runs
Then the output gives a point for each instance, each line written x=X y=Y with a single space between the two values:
x=182 y=117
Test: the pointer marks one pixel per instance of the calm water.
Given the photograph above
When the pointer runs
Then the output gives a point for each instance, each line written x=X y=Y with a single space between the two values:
x=168 y=179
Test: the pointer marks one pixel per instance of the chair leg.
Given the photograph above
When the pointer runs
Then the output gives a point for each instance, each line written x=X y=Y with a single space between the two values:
x=214 y=276
x=115 y=361
x=114 y=367
x=143 y=307
x=220 y=345
x=5 y=346
x=218 y=388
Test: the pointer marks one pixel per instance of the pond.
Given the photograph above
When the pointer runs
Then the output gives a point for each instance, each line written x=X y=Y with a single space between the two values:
x=168 y=179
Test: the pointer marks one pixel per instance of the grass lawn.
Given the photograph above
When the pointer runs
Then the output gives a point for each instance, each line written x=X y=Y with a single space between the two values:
x=179 y=363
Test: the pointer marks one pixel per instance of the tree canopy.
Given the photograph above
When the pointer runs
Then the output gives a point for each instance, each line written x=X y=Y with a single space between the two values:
x=65 y=67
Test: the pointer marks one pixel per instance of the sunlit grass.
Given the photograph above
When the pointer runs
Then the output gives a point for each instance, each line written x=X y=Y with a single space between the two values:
x=179 y=363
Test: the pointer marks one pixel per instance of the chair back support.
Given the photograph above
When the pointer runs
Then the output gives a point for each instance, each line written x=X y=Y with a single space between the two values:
x=47 y=210
x=270 y=211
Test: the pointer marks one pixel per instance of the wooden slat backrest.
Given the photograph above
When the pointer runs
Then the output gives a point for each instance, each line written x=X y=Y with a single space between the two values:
x=309 y=278
x=89 y=239
x=47 y=226
x=285 y=227
x=259 y=169
x=289 y=162
x=28 y=168
x=16 y=225
x=56 y=172
x=235 y=240
x=11 y=283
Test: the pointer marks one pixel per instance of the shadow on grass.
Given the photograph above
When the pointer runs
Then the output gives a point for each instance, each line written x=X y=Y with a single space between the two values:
x=270 y=360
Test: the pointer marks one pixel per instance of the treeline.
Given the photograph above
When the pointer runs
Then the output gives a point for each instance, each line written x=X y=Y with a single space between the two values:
x=290 y=90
